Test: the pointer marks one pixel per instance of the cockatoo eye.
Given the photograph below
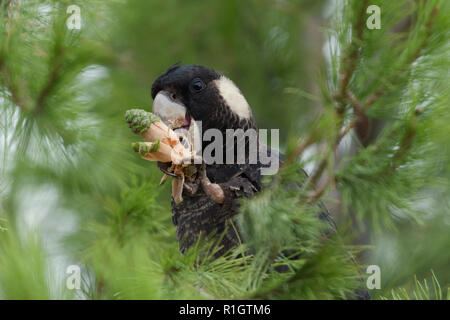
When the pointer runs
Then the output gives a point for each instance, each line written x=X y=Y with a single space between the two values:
x=197 y=85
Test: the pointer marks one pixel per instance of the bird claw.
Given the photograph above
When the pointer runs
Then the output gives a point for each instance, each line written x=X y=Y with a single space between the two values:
x=213 y=190
x=192 y=188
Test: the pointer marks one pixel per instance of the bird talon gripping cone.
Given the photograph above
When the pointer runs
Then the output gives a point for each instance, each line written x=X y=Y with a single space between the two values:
x=162 y=144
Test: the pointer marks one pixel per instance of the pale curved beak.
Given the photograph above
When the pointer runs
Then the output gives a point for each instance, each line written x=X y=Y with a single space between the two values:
x=175 y=115
x=171 y=112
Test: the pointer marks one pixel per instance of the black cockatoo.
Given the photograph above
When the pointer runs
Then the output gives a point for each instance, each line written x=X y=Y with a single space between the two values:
x=199 y=93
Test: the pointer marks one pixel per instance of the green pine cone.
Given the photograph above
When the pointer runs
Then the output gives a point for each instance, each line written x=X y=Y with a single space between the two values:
x=139 y=120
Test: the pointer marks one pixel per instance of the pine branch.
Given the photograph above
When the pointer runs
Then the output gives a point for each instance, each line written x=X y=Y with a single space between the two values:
x=301 y=147
x=22 y=101
x=20 y=95
x=405 y=145
x=51 y=81
x=361 y=123
x=349 y=61
x=320 y=191
x=382 y=89
x=348 y=67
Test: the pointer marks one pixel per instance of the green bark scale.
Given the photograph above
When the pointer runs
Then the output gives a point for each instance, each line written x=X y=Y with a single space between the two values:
x=145 y=148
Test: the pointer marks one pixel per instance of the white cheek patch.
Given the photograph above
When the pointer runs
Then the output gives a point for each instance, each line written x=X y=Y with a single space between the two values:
x=233 y=97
